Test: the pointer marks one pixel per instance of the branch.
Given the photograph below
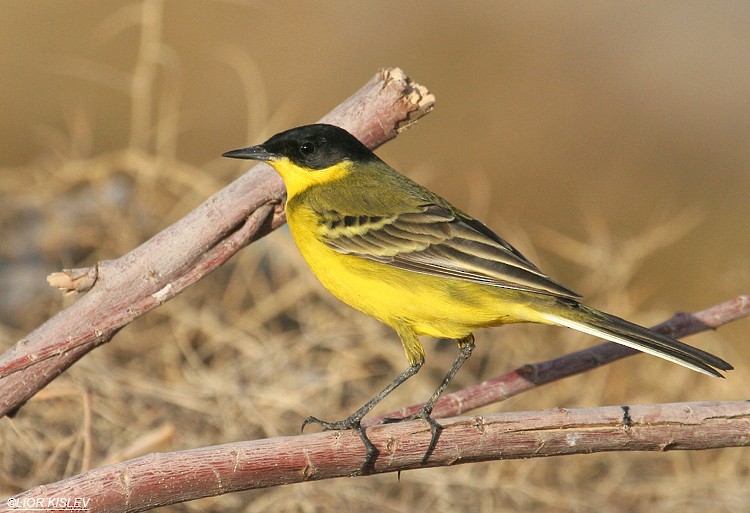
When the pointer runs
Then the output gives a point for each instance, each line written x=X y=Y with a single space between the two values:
x=250 y=207
x=160 y=479
x=533 y=375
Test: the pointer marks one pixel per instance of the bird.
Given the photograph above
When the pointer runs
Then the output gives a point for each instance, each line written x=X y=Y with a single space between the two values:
x=403 y=255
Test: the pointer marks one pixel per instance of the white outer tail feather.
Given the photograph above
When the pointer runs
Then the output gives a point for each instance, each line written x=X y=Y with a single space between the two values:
x=591 y=330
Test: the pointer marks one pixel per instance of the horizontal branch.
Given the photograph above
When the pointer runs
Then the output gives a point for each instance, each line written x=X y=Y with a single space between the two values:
x=160 y=479
x=533 y=375
x=124 y=289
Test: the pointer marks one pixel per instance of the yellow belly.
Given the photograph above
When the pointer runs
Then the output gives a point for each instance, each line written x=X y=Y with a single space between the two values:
x=429 y=305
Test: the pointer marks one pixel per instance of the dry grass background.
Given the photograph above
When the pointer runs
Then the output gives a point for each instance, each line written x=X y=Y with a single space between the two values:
x=560 y=120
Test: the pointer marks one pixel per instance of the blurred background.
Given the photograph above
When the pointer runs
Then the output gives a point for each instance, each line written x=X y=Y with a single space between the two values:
x=608 y=141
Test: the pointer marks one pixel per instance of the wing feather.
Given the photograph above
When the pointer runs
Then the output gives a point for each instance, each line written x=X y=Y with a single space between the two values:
x=436 y=240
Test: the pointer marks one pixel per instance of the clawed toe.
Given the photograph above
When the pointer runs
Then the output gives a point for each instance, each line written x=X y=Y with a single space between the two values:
x=352 y=423
x=347 y=423
x=423 y=414
x=393 y=420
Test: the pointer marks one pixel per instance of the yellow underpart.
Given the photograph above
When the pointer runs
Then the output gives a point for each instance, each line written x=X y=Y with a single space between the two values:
x=412 y=303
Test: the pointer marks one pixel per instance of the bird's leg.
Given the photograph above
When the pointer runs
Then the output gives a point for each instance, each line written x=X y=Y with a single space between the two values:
x=465 y=347
x=354 y=420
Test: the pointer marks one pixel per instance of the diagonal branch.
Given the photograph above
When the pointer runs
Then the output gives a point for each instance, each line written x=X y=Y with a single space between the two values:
x=250 y=207
x=160 y=479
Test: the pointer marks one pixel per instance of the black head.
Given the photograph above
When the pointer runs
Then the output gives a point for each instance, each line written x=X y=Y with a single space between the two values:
x=316 y=146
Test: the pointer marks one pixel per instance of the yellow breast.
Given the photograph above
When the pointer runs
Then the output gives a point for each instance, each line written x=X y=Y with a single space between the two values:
x=438 y=307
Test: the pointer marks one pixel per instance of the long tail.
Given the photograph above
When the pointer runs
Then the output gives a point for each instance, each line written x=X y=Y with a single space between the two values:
x=588 y=320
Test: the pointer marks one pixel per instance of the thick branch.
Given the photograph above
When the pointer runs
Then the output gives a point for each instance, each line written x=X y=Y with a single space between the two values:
x=533 y=375
x=160 y=479
x=245 y=210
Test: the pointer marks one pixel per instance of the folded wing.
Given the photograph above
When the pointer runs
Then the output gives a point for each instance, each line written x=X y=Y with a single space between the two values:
x=436 y=240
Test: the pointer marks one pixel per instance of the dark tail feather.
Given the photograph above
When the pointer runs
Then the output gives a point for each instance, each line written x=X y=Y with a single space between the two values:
x=582 y=318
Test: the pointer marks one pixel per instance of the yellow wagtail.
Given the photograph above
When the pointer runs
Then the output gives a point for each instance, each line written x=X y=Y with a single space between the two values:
x=399 y=253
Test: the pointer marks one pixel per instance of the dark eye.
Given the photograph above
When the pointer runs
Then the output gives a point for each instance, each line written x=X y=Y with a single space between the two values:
x=307 y=148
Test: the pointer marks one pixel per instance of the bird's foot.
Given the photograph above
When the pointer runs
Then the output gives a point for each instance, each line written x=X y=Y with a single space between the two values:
x=352 y=422
x=424 y=414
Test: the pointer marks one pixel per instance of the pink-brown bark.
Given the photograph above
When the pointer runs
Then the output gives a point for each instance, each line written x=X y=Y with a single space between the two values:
x=159 y=479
